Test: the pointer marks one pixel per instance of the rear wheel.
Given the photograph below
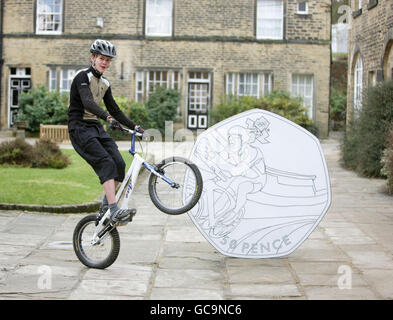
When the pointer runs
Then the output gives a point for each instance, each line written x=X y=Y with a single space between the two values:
x=98 y=255
x=179 y=187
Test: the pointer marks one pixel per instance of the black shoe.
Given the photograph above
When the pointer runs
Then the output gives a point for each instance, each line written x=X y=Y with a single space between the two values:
x=122 y=216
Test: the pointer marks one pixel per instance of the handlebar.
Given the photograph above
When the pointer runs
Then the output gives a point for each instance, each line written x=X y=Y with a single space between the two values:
x=117 y=126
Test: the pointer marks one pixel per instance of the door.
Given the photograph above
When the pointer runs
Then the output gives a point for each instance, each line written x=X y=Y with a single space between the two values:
x=198 y=105
x=19 y=82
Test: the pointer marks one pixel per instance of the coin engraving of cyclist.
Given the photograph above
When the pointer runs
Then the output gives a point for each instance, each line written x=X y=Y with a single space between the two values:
x=88 y=137
x=241 y=171
x=266 y=185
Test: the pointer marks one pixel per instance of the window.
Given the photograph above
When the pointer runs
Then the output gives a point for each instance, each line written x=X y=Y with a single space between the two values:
x=302 y=7
x=303 y=87
x=372 y=79
x=20 y=72
x=230 y=84
x=358 y=84
x=358 y=4
x=248 y=84
x=49 y=16
x=147 y=81
x=66 y=77
x=270 y=19
x=267 y=84
x=159 y=17
x=372 y=4
x=52 y=80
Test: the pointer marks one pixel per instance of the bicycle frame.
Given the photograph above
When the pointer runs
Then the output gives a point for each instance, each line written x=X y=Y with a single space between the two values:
x=130 y=181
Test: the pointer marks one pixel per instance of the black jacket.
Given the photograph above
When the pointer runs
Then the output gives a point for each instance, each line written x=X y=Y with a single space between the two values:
x=88 y=89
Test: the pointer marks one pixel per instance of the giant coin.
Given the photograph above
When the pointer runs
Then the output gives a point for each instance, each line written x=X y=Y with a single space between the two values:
x=266 y=185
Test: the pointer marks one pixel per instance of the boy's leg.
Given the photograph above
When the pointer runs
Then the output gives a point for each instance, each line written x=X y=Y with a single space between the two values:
x=110 y=190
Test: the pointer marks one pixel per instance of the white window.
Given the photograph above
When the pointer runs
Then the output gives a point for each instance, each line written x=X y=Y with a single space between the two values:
x=159 y=17
x=303 y=87
x=52 y=80
x=267 y=84
x=302 y=7
x=147 y=81
x=157 y=78
x=248 y=85
x=230 y=84
x=358 y=84
x=66 y=77
x=49 y=16
x=175 y=84
x=270 y=19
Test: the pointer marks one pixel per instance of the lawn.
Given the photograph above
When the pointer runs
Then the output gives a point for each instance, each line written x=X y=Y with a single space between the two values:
x=75 y=184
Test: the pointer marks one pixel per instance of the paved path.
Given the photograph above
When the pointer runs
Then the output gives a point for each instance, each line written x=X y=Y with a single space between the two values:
x=348 y=256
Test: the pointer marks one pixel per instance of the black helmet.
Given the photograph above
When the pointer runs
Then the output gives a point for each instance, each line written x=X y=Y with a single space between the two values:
x=103 y=47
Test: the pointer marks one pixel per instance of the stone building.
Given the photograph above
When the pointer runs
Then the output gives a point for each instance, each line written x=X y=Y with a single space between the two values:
x=370 y=53
x=203 y=48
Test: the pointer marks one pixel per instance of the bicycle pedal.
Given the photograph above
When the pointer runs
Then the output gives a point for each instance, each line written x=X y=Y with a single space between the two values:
x=123 y=222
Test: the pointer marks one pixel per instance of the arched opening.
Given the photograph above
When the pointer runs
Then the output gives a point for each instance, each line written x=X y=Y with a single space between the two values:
x=357 y=82
x=388 y=62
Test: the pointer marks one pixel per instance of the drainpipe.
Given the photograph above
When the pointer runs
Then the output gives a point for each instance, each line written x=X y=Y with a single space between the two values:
x=1 y=53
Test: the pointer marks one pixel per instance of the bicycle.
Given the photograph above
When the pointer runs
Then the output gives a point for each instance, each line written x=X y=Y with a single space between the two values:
x=175 y=186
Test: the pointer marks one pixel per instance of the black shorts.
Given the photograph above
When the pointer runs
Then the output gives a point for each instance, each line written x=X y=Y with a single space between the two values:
x=95 y=145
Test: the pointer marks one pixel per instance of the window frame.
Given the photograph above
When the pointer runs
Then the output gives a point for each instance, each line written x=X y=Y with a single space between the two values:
x=259 y=36
x=148 y=17
x=39 y=13
x=265 y=83
x=250 y=84
x=358 y=84
x=142 y=78
x=304 y=96
x=305 y=12
x=70 y=76
x=53 y=80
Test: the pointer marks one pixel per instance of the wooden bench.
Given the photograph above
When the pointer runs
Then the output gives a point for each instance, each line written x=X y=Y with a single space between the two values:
x=55 y=133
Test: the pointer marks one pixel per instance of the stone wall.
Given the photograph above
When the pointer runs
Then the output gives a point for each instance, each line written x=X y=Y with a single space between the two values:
x=370 y=37
x=218 y=36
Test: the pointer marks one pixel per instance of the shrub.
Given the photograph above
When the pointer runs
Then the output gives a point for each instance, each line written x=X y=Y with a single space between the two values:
x=387 y=162
x=279 y=102
x=136 y=111
x=16 y=152
x=162 y=106
x=41 y=106
x=48 y=155
x=44 y=154
x=365 y=141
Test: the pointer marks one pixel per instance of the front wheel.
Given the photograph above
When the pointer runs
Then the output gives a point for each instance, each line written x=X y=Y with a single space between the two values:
x=178 y=188
x=100 y=254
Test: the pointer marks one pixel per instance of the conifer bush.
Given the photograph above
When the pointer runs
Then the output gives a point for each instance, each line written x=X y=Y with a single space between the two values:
x=366 y=139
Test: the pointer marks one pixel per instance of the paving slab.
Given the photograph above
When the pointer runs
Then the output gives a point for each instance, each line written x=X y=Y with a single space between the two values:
x=348 y=256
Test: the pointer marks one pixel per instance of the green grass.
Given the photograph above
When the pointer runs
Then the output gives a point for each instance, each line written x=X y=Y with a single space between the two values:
x=75 y=184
